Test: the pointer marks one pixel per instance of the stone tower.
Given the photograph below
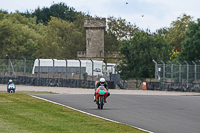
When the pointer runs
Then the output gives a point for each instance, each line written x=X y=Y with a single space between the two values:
x=94 y=38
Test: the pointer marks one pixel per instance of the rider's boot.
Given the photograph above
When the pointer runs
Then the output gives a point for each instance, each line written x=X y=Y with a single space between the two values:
x=94 y=97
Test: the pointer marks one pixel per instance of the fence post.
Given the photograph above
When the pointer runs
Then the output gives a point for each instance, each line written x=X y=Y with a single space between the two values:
x=105 y=63
x=38 y=81
x=163 y=71
x=156 y=69
x=38 y=67
x=92 y=69
x=195 y=71
x=179 y=71
x=66 y=66
x=171 y=71
x=53 y=66
x=80 y=74
x=24 y=65
x=8 y=64
x=187 y=70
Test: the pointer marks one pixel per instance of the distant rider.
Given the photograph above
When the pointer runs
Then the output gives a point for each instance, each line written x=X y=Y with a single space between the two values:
x=10 y=82
x=102 y=82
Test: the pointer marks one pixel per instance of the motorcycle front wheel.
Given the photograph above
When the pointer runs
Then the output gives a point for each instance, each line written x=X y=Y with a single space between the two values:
x=101 y=103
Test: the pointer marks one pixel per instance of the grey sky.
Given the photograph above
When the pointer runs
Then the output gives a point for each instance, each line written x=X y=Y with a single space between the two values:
x=157 y=13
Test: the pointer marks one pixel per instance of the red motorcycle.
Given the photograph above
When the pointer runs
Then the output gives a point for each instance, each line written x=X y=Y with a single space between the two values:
x=101 y=94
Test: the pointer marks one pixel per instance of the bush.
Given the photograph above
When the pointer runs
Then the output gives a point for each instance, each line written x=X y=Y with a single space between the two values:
x=85 y=75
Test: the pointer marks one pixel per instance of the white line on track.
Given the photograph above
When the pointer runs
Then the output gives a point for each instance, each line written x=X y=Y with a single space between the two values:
x=88 y=113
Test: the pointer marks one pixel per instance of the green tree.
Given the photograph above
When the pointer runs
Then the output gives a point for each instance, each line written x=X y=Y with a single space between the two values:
x=139 y=52
x=117 y=30
x=177 y=31
x=161 y=31
x=111 y=43
x=43 y=15
x=60 y=10
x=85 y=75
x=61 y=40
x=17 y=35
x=120 y=28
x=191 y=45
x=79 y=24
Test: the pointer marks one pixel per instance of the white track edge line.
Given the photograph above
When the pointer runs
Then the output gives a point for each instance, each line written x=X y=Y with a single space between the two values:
x=88 y=113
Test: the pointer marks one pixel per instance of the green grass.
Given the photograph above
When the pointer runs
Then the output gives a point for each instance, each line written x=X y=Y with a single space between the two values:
x=191 y=95
x=36 y=92
x=21 y=113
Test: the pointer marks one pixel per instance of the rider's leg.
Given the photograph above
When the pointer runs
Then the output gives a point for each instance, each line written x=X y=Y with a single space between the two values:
x=95 y=96
x=108 y=94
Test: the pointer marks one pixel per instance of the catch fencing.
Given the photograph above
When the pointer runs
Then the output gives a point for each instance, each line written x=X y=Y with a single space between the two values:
x=176 y=76
x=23 y=71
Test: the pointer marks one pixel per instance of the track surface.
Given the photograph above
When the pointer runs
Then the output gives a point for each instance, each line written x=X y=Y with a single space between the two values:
x=159 y=114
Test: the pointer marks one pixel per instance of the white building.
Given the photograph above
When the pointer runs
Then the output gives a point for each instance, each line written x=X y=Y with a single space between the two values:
x=73 y=66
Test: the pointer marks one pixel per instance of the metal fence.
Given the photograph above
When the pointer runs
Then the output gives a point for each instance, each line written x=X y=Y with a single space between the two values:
x=23 y=71
x=16 y=67
x=176 y=77
x=177 y=73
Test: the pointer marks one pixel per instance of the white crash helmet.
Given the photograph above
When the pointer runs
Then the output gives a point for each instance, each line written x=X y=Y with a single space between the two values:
x=10 y=81
x=102 y=81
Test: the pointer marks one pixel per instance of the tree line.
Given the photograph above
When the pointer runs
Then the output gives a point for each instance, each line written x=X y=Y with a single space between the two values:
x=58 y=32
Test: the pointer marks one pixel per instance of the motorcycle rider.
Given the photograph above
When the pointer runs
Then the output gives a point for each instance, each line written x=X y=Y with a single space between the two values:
x=10 y=82
x=102 y=82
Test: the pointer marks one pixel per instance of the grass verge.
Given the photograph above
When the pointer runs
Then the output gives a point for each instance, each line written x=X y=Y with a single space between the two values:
x=191 y=95
x=21 y=113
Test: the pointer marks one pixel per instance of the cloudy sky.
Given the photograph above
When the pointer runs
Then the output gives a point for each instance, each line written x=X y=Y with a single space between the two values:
x=156 y=13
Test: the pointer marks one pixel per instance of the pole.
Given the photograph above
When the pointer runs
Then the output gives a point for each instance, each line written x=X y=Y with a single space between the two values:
x=179 y=71
x=38 y=67
x=195 y=71
x=8 y=64
x=92 y=69
x=53 y=66
x=171 y=71
x=156 y=69
x=187 y=70
x=24 y=65
x=105 y=63
x=80 y=73
x=66 y=66
x=38 y=71
x=163 y=71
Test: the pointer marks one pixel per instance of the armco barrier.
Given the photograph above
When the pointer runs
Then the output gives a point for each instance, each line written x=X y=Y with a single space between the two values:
x=34 y=81
x=168 y=86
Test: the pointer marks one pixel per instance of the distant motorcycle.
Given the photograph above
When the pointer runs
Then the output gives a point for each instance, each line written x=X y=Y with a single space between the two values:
x=101 y=94
x=11 y=88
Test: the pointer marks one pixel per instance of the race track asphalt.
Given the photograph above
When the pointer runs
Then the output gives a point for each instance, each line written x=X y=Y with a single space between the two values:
x=155 y=113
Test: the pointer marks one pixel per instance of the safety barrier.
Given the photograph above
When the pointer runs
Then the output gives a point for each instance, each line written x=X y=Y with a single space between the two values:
x=34 y=81
x=168 y=86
